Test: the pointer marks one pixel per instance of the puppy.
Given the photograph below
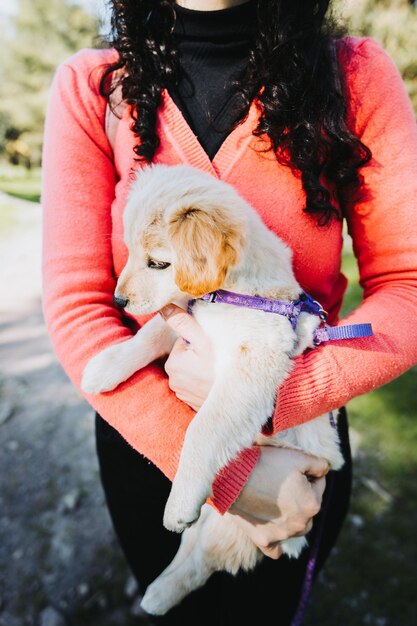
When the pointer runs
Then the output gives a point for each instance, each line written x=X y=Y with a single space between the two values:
x=189 y=234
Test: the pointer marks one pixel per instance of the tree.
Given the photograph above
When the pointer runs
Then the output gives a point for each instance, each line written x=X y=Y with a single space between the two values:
x=42 y=34
x=394 y=24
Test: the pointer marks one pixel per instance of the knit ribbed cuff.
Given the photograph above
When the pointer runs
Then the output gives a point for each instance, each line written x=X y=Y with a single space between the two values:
x=307 y=393
x=230 y=481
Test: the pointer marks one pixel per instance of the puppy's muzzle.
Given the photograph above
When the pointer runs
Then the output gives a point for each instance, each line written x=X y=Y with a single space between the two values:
x=120 y=301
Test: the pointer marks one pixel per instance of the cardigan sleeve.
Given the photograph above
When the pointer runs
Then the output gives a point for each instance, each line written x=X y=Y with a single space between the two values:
x=78 y=280
x=383 y=226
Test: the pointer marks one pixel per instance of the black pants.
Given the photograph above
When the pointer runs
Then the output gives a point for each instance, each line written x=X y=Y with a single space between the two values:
x=136 y=492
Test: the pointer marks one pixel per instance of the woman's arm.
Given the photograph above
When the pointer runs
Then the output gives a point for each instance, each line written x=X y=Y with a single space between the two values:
x=79 y=182
x=283 y=494
x=383 y=226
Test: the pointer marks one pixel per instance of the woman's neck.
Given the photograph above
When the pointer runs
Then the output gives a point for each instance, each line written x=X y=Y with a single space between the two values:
x=209 y=5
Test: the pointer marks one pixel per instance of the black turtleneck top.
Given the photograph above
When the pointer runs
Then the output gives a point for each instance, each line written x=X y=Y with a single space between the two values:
x=214 y=49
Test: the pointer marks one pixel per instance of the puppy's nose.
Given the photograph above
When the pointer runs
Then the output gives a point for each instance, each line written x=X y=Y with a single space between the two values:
x=120 y=301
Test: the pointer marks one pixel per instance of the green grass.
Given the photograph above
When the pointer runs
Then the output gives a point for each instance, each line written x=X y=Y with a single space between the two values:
x=7 y=219
x=20 y=183
x=370 y=578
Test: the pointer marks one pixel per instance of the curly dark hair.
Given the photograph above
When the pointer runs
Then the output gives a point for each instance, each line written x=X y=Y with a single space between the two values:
x=292 y=70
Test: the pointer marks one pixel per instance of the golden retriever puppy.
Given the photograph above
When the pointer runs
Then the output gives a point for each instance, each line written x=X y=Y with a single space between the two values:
x=189 y=234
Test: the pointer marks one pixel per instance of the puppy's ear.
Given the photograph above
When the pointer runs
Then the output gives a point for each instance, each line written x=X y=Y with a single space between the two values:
x=206 y=246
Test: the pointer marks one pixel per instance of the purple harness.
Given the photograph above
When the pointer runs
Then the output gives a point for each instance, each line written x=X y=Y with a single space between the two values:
x=291 y=310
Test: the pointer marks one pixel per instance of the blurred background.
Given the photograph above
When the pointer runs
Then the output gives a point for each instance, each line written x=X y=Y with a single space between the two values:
x=59 y=562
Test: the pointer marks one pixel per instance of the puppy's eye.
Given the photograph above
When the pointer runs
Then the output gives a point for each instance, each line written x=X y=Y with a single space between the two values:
x=158 y=265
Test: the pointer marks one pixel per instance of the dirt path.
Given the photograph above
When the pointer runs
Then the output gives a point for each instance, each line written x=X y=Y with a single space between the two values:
x=59 y=563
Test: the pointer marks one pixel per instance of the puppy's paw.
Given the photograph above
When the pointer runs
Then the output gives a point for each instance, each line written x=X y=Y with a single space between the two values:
x=180 y=512
x=158 y=599
x=101 y=373
x=294 y=546
x=306 y=326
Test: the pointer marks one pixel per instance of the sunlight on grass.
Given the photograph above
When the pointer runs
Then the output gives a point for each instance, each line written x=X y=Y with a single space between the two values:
x=17 y=182
x=370 y=577
x=20 y=183
x=8 y=221
x=387 y=415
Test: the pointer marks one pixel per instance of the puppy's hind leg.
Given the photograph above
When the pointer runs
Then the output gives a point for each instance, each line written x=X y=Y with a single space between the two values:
x=293 y=546
x=214 y=543
x=185 y=573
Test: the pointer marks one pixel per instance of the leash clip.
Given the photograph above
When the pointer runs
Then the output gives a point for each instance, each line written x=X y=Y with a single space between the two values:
x=322 y=313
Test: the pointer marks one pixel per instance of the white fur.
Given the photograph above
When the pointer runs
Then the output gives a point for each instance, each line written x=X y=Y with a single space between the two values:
x=253 y=352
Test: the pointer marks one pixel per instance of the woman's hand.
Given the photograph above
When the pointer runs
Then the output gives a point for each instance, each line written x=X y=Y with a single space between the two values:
x=190 y=365
x=283 y=494
x=285 y=489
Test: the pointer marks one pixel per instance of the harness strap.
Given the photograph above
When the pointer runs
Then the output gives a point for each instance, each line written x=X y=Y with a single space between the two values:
x=335 y=333
x=291 y=310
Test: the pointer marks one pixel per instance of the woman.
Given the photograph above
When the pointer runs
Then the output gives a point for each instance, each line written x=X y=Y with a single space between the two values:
x=308 y=126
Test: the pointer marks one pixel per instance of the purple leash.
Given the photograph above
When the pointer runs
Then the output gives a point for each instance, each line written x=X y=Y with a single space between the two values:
x=312 y=561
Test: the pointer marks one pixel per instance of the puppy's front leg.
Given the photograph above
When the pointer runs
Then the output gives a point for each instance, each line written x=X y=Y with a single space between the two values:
x=239 y=403
x=119 y=362
x=306 y=325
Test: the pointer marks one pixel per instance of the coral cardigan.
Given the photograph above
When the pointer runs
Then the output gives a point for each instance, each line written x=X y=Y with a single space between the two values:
x=84 y=191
